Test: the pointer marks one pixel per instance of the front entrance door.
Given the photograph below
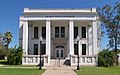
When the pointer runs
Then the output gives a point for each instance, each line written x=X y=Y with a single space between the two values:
x=60 y=53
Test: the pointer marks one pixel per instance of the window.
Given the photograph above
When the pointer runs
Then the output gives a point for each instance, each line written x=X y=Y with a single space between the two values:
x=83 y=32
x=43 y=32
x=35 y=49
x=76 y=49
x=83 y=49
x=57 y=32
x=62 y=32
x=43 y=51
x=75 y=32
x=35 y=32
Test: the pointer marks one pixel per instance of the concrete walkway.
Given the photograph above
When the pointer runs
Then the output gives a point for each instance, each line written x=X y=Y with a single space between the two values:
x=59 y=71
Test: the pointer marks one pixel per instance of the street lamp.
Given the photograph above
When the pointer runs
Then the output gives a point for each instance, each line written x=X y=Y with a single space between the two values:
x=40 y=39
x=78 y=39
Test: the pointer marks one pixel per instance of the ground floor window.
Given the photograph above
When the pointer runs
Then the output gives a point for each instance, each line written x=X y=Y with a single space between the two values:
x=76 y=49
x=43 y=51
x=83 y=49
x=35 y=49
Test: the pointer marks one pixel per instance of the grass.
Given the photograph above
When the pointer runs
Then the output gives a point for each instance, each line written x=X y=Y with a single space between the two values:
x=3 y=62
x=18 y=69
x=99 y=71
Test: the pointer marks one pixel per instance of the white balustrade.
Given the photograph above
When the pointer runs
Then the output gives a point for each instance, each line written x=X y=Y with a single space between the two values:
x=84 y=60
x=34 y=59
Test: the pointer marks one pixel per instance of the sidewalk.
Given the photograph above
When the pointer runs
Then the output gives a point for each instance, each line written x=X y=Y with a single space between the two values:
x=59 y=71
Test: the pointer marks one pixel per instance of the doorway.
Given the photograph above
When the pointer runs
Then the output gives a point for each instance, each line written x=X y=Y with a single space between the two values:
x=59 y=53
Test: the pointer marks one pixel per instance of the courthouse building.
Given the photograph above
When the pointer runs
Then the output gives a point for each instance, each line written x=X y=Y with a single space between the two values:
x=62 y=33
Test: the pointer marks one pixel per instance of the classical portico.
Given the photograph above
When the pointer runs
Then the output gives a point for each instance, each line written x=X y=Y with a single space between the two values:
x=59 y=29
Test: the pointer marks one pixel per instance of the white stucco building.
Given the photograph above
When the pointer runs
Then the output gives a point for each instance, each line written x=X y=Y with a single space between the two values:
x=59 y=29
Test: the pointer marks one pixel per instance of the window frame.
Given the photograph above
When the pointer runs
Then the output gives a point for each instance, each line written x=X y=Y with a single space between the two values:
x=35 y=51
x=36 y=32
x=83 y=32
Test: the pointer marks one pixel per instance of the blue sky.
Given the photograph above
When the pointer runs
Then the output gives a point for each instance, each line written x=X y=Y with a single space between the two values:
x=10 y=10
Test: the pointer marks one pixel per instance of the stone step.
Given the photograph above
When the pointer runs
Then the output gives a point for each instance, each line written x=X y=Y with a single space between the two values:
x=57 y=62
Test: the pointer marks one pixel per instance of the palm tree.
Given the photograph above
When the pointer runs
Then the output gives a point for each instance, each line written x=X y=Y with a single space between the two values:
x=7 y=38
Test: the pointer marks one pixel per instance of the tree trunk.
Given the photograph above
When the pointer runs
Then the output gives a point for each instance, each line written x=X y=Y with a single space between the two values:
x=116 y=50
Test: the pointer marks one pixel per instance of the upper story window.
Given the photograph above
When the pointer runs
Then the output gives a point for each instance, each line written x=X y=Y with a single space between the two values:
x=62 y=32
x=43 y=32
x=59 y=32
x=75 y=32
x=83 y=30
x=35 y=32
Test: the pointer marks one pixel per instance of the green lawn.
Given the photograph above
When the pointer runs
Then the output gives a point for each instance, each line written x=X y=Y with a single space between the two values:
x=20 y=71
x=99 y=71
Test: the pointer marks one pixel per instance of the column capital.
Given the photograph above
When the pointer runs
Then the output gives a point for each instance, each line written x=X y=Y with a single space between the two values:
x=47 y=20
x=24 y=20
x=94 y=20
x=71 y=20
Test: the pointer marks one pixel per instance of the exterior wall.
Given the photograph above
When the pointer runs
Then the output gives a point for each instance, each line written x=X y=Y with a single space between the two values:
x=70 y=18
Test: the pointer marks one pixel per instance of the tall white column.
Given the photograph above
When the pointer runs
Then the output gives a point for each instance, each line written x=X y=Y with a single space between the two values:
x=71 y=37
x=94 y=29
x=48 y=38
x=90 y=35
x=25 y=37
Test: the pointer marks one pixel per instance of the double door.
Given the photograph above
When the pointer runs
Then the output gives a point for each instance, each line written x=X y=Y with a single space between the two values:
x=60 y=53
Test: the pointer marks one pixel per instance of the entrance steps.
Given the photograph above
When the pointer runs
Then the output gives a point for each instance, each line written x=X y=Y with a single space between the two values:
x=57 y=63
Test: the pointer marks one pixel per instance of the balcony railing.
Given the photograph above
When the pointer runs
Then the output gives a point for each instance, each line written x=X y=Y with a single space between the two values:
x=34 y=60
x=84 y=60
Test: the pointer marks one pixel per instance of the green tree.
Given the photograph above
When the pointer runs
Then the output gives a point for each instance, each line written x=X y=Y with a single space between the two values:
x=3 y=50
x=106 y=58
x=7 y=38
x=110 y=18
x=15 y=56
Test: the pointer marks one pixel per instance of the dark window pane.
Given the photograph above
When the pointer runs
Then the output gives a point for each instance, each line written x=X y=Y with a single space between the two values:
x=57 y=53
x=43 y=32
x=83 y=32
x=57 y=32
x=35 y=49
x=75 y=32
x=61 y=53
x=43 y=51
x=35 y=32
x=83 y=49
x=76 y=49
x=62 y=32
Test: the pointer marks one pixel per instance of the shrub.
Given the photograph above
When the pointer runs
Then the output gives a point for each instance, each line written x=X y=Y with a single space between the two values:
x=106 y=58
x=3 y=52
x=15 y=56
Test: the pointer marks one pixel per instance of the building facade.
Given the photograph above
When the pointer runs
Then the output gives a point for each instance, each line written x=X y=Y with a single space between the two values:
x=63 y=32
